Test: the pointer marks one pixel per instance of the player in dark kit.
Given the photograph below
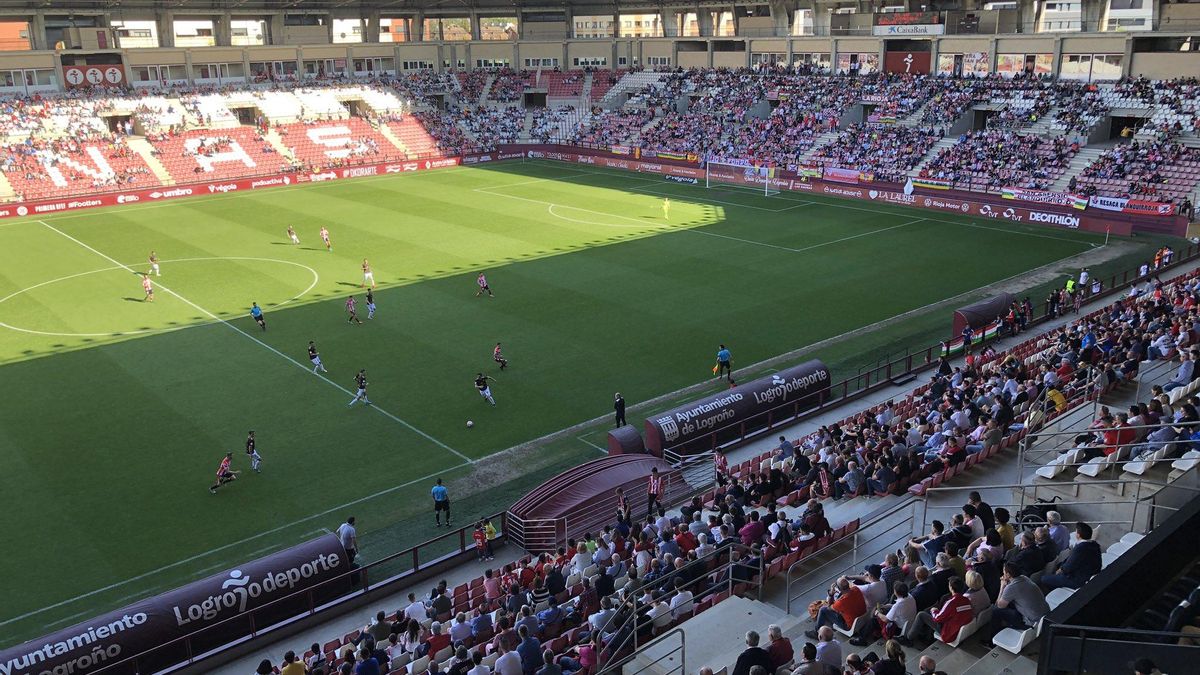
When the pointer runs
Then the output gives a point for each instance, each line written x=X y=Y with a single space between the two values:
x=481 y=383
x=499 y=358
x=315 y=357
x=225 y=474
x=360 y=382
x=252 y=453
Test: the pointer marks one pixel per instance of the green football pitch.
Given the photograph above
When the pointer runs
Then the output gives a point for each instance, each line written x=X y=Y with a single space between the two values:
x=117 y=411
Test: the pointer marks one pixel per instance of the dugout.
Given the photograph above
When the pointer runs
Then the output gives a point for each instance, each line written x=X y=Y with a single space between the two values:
x=981 y=314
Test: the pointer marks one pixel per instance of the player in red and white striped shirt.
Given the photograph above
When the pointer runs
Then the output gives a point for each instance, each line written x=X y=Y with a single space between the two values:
x=481 y=281
x=351 y=309
x=225 y=473
x=654 y=492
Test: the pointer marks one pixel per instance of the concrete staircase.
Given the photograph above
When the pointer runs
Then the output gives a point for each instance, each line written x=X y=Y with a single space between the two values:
x=1079 y=162
x=142 y=147
x=936 y=150
x=6 y=189
x=818 y=143
x=637 y=136
x=1042 y=127
x=272 y=136
x=714 y=638
x=487 y=88
x=386 y=131
x=526 y=127
x=585 y=94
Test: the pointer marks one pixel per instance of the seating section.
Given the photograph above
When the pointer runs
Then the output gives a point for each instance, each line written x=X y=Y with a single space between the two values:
x=221 y=154
x=1162 y=171
x=509 y=85
x=567 y=84
x=411 y=132
x=554 y=124
x=338 y=143
x=448 y=135
x=66 y=167
x=604 y=80
x=470 y=85
x=990 y=160
x=607 y=128
x=491 y=127
x=889 y=152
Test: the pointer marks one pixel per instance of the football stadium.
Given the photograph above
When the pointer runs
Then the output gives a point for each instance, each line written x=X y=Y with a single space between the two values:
x=568 y=338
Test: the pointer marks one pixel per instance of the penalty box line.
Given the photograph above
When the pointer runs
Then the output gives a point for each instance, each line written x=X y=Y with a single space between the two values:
x=264 y=345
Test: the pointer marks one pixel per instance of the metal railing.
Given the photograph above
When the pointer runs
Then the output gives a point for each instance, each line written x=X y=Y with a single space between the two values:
x=723 y=574
x=325 y=596
x=882 y=527
x=1079 y=649
x=1122 y=452
x=1142 y=499
x=657 y=666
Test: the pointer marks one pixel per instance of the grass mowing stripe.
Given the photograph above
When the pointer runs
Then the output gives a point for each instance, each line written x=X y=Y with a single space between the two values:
x=268 y=347
x=218 y=549
x=809 y=248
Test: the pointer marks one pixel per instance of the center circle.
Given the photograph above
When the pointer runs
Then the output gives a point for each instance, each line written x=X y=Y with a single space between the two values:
x=131 y=291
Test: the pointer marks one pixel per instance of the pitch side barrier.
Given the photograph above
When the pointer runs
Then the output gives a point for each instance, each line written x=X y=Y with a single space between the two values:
x=858 y=186
x=212 y=612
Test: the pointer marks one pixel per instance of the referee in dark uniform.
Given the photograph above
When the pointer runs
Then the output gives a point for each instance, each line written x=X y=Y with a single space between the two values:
x=619 y=407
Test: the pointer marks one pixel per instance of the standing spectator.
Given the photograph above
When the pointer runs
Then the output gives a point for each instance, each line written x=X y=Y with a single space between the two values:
x=530 y=651
x=441 y=502
x=349 y=538
x=619 y=408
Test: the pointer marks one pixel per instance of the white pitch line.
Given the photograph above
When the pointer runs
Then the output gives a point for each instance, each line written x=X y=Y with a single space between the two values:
x=697 y=231
x=581 y=438
x=266 y=346
x=838 y=205
x=710 y=200
x=211 y=551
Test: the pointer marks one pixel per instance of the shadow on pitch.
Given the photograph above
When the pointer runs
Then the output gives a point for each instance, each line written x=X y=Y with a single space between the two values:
x=128 y=299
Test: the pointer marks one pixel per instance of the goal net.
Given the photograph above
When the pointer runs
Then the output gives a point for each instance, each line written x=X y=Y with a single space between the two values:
x=756 y=178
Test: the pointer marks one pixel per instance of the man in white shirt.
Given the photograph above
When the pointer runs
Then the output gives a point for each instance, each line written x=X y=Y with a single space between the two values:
x=461 y=630
x=600 y=619
x=871 y=584
x=829 y=650
x=349 y=537
x=681 y=603
x=509 y=662
x=416 y=609
x=479 y=669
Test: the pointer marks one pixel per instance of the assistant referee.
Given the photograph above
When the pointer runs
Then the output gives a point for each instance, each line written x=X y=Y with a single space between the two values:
x=441 y=502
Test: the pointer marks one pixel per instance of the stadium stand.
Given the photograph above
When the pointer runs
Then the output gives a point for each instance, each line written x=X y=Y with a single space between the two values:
x=1164 y=170
x=887 y=152
x=64 y=167
x=990 y=160
x=326 y=144
x=221 y=154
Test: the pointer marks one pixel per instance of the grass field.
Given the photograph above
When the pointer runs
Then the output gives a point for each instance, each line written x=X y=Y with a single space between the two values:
x=118 y=411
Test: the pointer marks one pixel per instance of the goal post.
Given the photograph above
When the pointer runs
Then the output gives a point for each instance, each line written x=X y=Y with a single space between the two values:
x=728 y=174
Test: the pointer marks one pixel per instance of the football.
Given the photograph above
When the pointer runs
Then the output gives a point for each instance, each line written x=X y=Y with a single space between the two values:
x=470 y=424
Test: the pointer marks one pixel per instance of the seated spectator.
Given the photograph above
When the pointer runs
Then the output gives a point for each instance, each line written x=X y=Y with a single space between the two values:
x=780 y=648
x=460 y=630
x=955 y=613
x=846 y=604
x=1081 y=564
x=829 y=649
x=1021 y=603
x=530 y=651
x=752 y=656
